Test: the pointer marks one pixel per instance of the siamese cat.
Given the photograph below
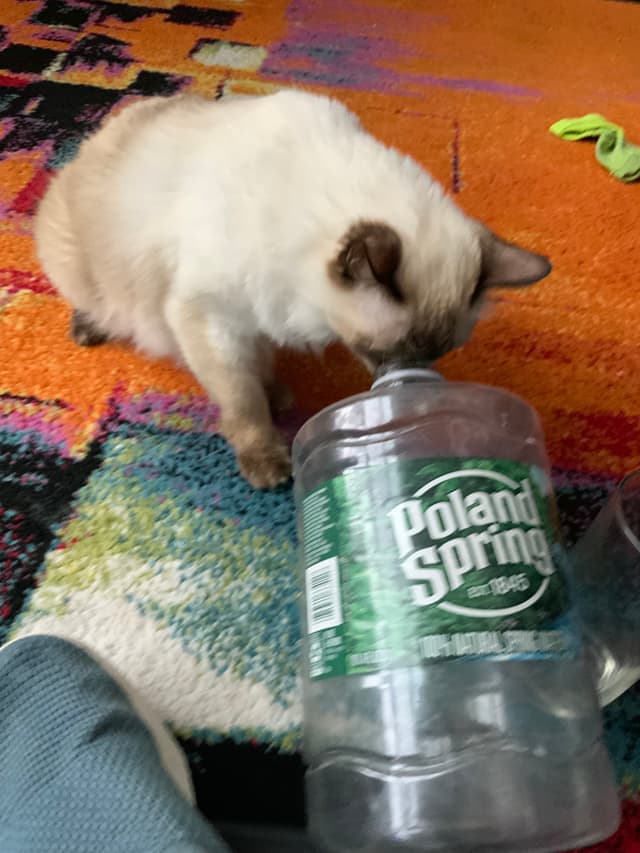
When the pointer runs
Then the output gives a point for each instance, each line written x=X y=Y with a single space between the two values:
x=214 y=231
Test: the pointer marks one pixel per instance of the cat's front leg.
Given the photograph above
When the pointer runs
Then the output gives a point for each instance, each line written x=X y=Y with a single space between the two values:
x=233 y=376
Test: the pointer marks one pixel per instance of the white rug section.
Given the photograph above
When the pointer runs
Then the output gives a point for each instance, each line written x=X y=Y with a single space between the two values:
x=182 y=689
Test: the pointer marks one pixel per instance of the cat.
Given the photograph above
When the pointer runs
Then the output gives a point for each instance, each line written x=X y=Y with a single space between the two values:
x=214 y=231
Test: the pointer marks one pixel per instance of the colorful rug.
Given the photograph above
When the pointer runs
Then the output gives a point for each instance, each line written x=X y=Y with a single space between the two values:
x=123 y=521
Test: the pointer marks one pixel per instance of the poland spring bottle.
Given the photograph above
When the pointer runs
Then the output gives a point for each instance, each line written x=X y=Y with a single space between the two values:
x=448 y=702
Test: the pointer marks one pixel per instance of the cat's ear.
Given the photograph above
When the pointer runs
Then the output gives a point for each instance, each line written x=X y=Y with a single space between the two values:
x=370 y=255
x=509 y=265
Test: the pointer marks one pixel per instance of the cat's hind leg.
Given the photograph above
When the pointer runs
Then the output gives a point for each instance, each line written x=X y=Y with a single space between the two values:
x=59 y=249
x=279 y=395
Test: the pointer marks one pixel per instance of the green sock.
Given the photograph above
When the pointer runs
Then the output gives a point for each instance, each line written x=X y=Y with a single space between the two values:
x=612 y=149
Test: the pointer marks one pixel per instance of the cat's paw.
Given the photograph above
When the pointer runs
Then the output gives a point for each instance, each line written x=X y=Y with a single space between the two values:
x=84 y=332
x=265 y=466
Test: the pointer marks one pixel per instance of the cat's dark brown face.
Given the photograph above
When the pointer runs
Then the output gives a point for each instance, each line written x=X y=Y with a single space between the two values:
x=396 y=313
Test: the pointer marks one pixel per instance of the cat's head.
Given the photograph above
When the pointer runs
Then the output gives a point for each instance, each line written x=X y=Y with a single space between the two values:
x=395 y=298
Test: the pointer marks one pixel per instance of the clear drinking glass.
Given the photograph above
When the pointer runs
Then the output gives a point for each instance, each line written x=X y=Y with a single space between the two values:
x=607 y=574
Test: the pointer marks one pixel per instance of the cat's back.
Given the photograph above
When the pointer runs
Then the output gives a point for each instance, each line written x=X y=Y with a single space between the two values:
x=154 y=151
x=82 y=189
x=242 y=165
x=219 y=142
x=243 y=172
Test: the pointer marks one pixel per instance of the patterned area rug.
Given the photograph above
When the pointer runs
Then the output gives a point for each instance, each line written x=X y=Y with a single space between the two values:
x=123 y=520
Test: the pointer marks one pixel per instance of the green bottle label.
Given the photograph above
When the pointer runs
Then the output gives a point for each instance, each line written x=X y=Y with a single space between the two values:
x=426 y=560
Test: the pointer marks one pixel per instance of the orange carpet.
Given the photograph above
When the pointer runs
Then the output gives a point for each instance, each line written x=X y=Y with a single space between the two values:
x=467 y=88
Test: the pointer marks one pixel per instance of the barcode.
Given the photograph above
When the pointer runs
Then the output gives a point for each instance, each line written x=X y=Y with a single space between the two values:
x=324 y=605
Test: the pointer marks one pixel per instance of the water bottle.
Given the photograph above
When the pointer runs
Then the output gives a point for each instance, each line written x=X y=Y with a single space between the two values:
x=448 y=701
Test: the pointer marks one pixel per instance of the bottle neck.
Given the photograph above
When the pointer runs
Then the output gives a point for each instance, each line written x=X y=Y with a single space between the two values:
x=398 y=375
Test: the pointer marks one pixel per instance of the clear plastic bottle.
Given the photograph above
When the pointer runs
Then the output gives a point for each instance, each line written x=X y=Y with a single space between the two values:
x=448 y=703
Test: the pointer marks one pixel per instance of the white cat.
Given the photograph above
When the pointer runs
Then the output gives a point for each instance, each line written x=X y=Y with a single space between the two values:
x=213 y=231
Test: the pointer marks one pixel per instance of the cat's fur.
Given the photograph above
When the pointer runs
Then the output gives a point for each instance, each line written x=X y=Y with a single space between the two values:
x=212 y=231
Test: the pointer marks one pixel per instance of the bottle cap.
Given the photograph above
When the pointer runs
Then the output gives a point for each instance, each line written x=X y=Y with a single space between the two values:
x=399 y=374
